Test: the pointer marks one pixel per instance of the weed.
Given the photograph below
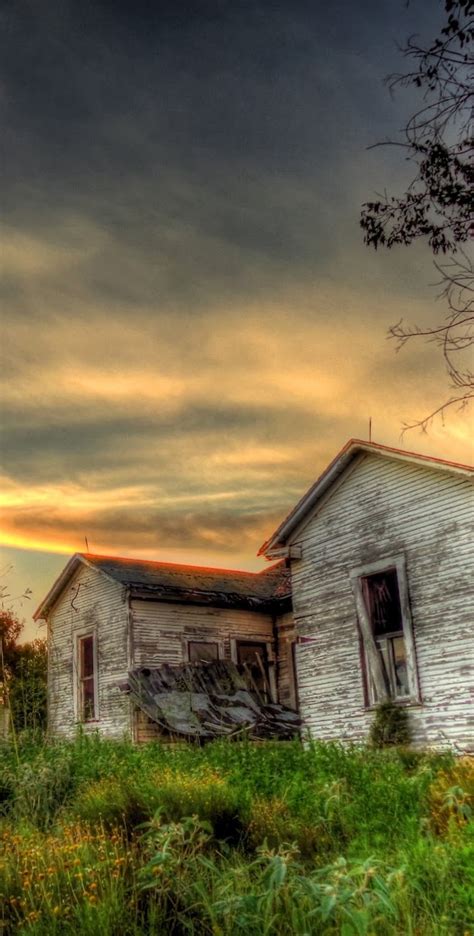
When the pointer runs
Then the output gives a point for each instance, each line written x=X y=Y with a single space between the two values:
x=272 y=839
x=451 y=797
x=390 y=725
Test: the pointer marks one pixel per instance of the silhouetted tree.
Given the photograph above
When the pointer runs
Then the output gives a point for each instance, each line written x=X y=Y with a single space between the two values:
x=438 y=205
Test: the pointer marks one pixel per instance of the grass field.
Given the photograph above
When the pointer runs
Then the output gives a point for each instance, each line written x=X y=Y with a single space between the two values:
x=234 y=838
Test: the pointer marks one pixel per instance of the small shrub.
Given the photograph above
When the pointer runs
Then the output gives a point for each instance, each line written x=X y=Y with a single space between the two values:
x=390 y=725
x=271 y=821
x=168 y=849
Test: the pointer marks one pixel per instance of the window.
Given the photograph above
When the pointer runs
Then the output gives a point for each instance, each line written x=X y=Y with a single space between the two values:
x=87 y=678
x=201 y=651
x=382 y=601
x=387 y=637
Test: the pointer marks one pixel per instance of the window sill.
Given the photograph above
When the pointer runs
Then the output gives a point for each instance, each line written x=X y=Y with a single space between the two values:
x=402 y=703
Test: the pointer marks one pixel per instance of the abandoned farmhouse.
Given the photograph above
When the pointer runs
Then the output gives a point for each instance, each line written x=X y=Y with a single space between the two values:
x=369 y=597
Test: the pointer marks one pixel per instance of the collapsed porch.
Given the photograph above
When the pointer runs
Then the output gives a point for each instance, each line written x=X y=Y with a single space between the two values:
x=203 y=701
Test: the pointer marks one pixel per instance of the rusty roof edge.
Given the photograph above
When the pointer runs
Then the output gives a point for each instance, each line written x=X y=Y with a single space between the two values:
x=335 y=468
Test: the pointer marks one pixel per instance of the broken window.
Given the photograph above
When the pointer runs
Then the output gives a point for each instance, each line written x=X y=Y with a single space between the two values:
x=382 y=600
x=87 y=678
x=202 y=651
x=254 y=657
x=385 y=623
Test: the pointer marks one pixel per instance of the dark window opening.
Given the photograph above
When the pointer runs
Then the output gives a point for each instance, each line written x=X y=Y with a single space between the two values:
x=382 y=600
x=87 y=700
x=254 y=658
x=201 y=651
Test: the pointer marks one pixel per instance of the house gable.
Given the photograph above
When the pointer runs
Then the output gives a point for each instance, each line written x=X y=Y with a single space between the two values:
x=388 y=509
x=78 y=563
x=282 y=540
x=88 y=605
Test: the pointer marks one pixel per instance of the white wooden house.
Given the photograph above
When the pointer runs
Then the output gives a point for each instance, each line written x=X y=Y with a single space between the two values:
x=383 y=594
x=371 y=598
x=107 y=616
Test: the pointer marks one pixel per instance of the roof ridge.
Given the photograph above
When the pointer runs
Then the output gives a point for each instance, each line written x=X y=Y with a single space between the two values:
x=401 y=451
x=182 y=566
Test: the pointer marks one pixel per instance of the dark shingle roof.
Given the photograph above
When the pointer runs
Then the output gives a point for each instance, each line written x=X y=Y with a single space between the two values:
x=197 y=583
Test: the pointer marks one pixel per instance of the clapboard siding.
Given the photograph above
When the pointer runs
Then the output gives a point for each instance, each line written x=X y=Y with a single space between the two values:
x=287 y=694
x=89 y=602
x=161 y=630
x=384 y=508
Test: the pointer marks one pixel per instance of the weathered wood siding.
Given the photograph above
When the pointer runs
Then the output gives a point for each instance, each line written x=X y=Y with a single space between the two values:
x=287 y=693
x=161 y=632
x=385 y=508
x=98 y=605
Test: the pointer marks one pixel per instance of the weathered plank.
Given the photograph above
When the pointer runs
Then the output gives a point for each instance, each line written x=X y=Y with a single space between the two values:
x=208 y=700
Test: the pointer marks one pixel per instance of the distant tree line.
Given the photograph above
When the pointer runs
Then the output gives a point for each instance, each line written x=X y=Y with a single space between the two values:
x=23 y=676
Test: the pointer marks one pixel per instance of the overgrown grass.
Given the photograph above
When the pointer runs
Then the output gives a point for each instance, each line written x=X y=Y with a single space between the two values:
x=234 y=838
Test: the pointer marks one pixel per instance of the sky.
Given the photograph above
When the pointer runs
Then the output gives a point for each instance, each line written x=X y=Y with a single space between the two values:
x=191 y=324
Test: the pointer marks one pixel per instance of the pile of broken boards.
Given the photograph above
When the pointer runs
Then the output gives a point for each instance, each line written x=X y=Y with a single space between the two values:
x=201 y=701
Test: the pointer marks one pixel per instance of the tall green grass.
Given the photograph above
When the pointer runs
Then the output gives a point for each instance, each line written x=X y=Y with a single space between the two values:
x=234 y=838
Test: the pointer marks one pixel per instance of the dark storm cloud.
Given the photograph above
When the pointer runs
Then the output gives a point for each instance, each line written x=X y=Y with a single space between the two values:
x=214 y=146
x=141 y=447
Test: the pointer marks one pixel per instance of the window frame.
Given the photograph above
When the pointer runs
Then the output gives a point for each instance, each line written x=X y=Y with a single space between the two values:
x=398 y=564
x=202 y=640
x=269 y=655
x=79 y=679
x=291 y=650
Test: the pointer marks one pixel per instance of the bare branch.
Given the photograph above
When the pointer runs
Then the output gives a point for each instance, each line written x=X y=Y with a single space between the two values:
x=438 y=204
x=463 y=400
